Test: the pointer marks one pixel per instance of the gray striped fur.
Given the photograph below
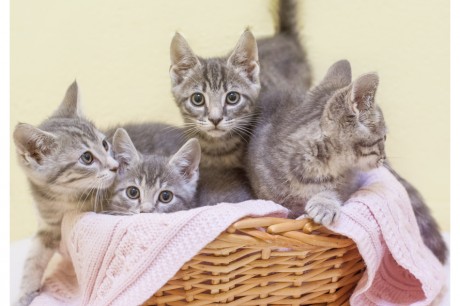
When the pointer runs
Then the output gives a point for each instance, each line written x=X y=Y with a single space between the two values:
x=224 y=129
x=153 y=174
x=214 y=186
x=50 y=156
x=307 y=147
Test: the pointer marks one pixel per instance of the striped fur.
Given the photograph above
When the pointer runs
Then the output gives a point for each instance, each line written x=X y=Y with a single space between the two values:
x=152 y=175
x=51 y=155
x=307 y=147
x=223 y=128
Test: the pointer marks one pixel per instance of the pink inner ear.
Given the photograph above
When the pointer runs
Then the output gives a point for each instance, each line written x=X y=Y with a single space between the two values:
x=363 y=91
x=354 y=107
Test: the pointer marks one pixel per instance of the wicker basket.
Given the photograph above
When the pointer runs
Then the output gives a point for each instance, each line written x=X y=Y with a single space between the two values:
x=268 y=261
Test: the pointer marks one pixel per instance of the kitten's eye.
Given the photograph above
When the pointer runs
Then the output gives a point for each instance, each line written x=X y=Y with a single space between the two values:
x=165 y=196
x=233 y=97
x=133 y=192
x=105 y=145
x=197 y=99
x=87 y=158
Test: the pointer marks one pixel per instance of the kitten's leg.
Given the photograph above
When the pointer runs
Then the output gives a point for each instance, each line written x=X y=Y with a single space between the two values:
x=44 y=244
x=323 y=207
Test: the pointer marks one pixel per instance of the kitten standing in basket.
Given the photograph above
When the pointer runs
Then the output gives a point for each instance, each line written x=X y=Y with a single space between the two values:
x=218 y=99
x=151 y=183
x=69 y=164
x=308 y=147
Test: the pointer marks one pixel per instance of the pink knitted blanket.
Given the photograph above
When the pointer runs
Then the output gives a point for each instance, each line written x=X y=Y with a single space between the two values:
x=401 y=270
x=120 y=260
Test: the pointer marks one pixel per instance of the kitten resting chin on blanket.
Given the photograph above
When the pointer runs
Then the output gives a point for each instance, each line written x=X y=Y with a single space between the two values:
x=153 y=182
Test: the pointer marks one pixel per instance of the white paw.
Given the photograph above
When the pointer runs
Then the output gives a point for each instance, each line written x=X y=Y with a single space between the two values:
x=322 y=212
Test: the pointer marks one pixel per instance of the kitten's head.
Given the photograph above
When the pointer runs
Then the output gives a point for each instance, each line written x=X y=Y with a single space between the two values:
x=216 y=95
x=153 y=183
x=66 y=151
x=351 y=115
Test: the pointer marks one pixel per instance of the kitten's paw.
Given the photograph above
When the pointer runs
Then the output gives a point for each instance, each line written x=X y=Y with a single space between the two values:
x=322 y=213
x=26 y=298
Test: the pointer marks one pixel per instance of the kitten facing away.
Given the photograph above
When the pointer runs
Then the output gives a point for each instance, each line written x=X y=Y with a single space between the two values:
x=148 y=183
x=69 y=164
x=308 y=147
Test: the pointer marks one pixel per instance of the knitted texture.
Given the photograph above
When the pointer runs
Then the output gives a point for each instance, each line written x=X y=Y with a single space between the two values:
x=123 y=260
x=400 y=269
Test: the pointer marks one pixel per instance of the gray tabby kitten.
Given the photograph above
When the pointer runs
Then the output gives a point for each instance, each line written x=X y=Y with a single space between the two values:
x=218 y=97
x=307 y=148
x=213 y=187
x=218 y=100
x=153 y=183
x=68 y=163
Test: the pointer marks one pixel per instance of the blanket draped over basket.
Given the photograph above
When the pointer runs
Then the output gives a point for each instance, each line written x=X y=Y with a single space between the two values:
x=123 y=260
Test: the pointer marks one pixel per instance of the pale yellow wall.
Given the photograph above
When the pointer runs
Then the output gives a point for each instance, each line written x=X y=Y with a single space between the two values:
x=119 y=53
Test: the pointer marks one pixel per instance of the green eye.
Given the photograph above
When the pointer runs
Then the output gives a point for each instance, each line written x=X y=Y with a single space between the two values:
x=197 y=99
x=87 y=158
x=233 y=97
x=165 y=196
x=133 y=192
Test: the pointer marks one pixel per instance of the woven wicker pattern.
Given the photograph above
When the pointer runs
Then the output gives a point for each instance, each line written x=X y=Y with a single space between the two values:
x=268 y=261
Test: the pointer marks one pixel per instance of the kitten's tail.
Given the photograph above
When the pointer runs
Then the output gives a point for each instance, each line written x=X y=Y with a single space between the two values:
x=429 y=229
x=287 y=17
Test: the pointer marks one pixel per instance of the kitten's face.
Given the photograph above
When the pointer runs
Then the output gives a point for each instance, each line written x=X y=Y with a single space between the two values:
x=216 y=96
x=150 y=183
x=352 y=116
x=66 y=151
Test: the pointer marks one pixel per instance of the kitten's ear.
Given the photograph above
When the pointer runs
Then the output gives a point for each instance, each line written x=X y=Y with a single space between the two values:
x=245 y=56
x=70 y=107
x=124 y=149
x=338 y=75
x=182 y=59
x=33 y=143
x=363 y=90
x=187 y=159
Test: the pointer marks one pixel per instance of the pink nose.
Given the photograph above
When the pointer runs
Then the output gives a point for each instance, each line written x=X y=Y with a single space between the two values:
x=216 y=121
x=113 y=165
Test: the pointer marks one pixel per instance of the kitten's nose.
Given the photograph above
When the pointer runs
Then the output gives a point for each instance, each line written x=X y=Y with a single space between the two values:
x=113 y=165
x=215 y=121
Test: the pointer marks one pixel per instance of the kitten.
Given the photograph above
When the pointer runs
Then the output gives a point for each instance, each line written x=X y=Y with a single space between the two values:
x=218 y=97
x=214 y=187
x=153 y=183
x=68 y=164
x=307 y=148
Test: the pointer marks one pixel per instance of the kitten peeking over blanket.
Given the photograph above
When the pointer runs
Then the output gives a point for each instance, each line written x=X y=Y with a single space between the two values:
x=307 y=147
x=149 y=183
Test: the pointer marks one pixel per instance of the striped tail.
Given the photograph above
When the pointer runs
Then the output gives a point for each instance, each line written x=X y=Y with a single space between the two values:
x=287 y=17
x=429 y=229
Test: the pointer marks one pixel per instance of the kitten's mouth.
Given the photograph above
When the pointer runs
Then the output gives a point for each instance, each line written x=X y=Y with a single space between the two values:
x=107 y=179
x=216 y=132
